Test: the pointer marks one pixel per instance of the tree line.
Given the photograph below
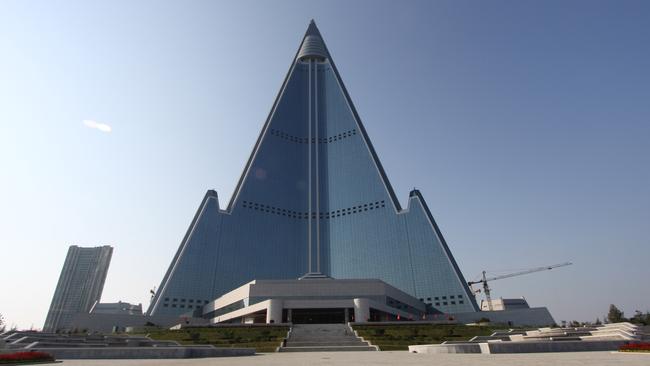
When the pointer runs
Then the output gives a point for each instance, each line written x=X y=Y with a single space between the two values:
x=616 y=316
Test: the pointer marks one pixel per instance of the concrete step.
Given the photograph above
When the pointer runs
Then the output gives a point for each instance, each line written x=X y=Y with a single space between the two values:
x=317 y=338
x=41 y=344
x=355 y=342
x=327 y=349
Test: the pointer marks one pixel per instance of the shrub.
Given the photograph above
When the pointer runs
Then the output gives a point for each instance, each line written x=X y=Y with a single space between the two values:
x=635 y=347
x=195 y=336
x=13 y=358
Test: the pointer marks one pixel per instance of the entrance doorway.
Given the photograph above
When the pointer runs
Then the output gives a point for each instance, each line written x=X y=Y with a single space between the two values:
x=317 y=316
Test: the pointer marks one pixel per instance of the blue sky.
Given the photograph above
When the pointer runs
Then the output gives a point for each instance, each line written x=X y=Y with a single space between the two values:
x=525 y=124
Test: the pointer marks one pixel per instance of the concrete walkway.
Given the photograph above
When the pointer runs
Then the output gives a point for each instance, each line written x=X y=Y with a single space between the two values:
x=401 y=358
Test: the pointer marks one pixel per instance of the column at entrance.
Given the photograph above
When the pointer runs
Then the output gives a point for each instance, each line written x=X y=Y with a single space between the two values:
x=361 y=310
x=274 y=311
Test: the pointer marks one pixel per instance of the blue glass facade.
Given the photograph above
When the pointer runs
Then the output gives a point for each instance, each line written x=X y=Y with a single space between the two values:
x=313 y=198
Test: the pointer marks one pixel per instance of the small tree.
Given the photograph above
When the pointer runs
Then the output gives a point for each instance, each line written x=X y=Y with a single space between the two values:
x=2 y=323
x=598 y=322
x=614 y=315
x=640 y=318
x=575 y=324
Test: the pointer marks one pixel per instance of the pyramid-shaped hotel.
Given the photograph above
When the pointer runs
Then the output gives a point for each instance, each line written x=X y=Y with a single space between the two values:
x=314 y=208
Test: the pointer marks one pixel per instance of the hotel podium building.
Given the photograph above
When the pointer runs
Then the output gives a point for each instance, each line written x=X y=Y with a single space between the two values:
x=313 y=203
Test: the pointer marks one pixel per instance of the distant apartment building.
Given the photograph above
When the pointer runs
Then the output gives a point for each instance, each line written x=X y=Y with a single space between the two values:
x=80 y=285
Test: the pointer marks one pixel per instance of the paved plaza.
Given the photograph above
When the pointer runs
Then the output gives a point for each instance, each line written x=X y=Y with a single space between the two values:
x=401 y=358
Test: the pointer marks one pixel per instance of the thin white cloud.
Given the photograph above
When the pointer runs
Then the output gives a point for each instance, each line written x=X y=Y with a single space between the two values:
x=97 y=125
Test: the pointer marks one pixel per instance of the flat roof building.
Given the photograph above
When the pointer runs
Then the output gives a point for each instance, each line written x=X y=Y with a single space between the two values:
x=317 y=300
x=116 y=308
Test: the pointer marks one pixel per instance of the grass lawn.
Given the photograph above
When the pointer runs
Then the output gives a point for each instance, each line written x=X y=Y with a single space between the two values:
x=399 y=337
x=263 y=339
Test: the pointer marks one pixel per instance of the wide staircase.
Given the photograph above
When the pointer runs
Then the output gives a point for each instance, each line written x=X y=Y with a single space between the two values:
x=323 y=338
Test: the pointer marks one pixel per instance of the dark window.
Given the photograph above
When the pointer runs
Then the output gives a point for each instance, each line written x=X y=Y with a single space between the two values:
x=453 y=302
x=437 y=304
x=428 y=299
x=460 y=296
x=444 y=303
x=437 y=298
x=451 y=297
x=461 y=302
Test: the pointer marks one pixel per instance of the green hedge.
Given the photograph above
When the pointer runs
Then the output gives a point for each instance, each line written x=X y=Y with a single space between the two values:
x=399 y=337
x=263 y=339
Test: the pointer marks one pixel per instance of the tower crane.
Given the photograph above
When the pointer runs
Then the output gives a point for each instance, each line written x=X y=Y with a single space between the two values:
x=486 y=288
